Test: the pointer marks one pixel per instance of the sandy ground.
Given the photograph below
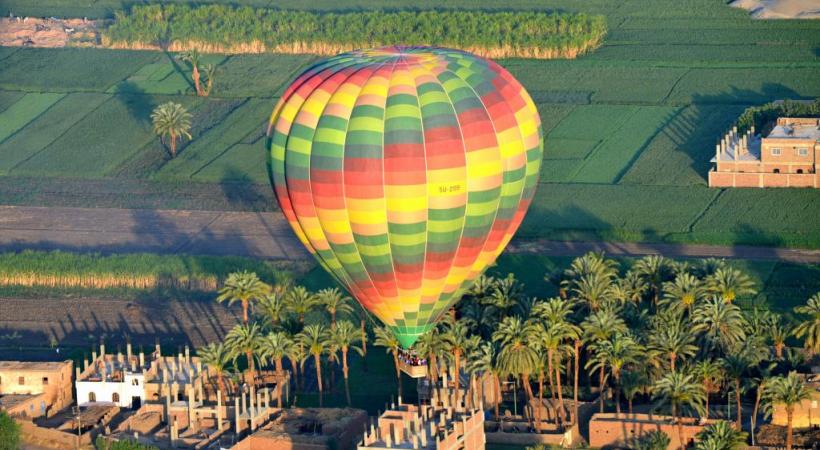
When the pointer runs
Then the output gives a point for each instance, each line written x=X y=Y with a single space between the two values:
x=781 y=9
x=34 y=32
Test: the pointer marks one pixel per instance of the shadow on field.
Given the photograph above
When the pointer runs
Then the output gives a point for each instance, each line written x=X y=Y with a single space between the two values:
x=242 y=192
x=136 y=101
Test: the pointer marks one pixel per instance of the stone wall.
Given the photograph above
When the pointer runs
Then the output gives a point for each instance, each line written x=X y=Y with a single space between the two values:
x=609 y=430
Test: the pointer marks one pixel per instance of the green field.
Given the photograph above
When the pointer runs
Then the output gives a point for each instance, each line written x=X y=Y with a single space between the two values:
x=629 y=128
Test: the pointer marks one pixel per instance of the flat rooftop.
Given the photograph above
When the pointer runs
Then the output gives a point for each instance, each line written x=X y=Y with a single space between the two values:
x=9 y=401
x=31 y=365
x=795 y=131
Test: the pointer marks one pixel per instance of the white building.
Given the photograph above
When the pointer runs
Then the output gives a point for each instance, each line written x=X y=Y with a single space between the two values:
x=112 y=379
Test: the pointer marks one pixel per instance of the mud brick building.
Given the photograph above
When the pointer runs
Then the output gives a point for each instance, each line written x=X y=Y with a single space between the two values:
x=35 y=389
x=786 y=157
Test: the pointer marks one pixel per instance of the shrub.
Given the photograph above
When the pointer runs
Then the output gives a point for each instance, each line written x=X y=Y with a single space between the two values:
x=9 y=432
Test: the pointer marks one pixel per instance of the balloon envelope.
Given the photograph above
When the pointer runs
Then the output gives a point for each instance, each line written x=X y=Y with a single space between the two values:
x=405 y=171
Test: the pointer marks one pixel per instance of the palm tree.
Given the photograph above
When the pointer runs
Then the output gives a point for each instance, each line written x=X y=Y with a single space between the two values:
x=679 y=390
x=316 y=340
x=300 y=302
x=272 y=306
x=505 y=297
x=245 y=339
x=192 y=58
x=653 y=440
x=633 y=382
x=385 y=337
x=788 y=391
x=710 y=374
x=457 y=342
x=431 y=345
x=210 y=72
x=720 y=436
x=736 y=366
x=778 y=332
x=760 y=382
x=483 y=359
x=244 y=287
x=345 y=336
x=172 y=120
x=602 y=325
x=334 y=303
x=276 y=347
x=728 y=283
x=654 y=270
x=595 y=290
x=297 y=356
x=810 y=328
x=616 y=353
x=518 y=355
x=673 y=339
x=683 y=293
x=217 y=358
x=721 y=323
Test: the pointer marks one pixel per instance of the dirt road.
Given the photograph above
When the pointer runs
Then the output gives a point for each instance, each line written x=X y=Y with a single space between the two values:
x=267 y=235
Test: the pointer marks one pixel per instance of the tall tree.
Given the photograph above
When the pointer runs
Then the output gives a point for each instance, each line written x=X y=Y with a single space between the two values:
x=245 y=339
x=334 y=303
x=244 y=287
x=683 y=292
x=614 y=353
x=673 y=339
x=387 y=339
x=457 y=342
x=276 y=347
x=679 y=390
x=216 y=357
x=710 y=374
x=484 y=359
x=300 y=302
x=518 y=355
x=633 y=382
x=721 y=324
x=788 y=391
x=272 y=307
x=192 y=58
x=345 y=336
x=736 y=366
x=654 y=270
x=316 y=341
x=431 y=346
x=172 y=120
x=809 y=328
x=729 y=283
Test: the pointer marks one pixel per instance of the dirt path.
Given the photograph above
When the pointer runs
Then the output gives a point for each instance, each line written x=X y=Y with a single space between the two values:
x=267 y=235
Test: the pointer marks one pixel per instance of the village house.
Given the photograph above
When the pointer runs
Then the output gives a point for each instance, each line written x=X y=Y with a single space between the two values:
x=786 y=157
x=112 y=379
x=35 y=389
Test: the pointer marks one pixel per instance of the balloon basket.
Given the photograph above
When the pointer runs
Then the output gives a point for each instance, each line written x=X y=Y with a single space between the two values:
x=411 y=364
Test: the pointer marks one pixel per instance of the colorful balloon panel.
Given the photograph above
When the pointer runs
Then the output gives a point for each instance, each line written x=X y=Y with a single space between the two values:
x=405 y=171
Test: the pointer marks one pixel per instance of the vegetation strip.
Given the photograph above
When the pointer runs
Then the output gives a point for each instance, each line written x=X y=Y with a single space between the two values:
x=228 y=29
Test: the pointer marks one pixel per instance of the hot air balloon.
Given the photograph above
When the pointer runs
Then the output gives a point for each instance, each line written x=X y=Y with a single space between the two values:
x=405 y=171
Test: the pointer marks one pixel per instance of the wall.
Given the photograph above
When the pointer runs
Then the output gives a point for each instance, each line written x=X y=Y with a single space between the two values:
x=104 y=391
x=756 y=180
x=806 y=414
x=606 y=430
x=51 y=438
x=57 y=390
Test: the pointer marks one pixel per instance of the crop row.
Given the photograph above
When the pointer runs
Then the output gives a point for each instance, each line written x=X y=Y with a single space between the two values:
x=222 y=28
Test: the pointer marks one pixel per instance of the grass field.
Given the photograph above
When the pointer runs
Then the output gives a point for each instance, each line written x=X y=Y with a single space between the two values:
x=629 y=128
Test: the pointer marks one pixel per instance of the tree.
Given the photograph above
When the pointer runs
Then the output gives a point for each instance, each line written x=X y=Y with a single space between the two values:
x=244 y=287
x=679 y=390
x=431 y=345
x=673 y=339
x=788 y=391
x=9 y=432
x=316 y=340
x=736 y=366
x=345 y=336
x=760 y=382
x=210 y=72
x=192 y=59
x=518 y=353
x=387 y=339
x=300 y=302
x=245 y=339
x=683 y=293
x=616 y=353
x=457 y=342
x=720 y=436
x=334 y=303
x=172 y=120
x=809 y=329
x=276 y=347
x=654 y=270
x=297 y=356
x=728 y=284
x=485 y=360
x=217 y=357
x=721 y=324
x=101 y=443
x=505 y=297
x=653 y=440
x=633 y=382
x=710 y=374
x=273 y=308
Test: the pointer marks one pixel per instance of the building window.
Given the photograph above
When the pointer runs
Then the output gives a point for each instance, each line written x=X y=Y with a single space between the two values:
x=775 y=152
x=115 y=397
x=803 y=152
x=135 y=382
x=21 y=381
x=45 y=381
x=799 y=170
x=776 y=170
x=92 y=397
